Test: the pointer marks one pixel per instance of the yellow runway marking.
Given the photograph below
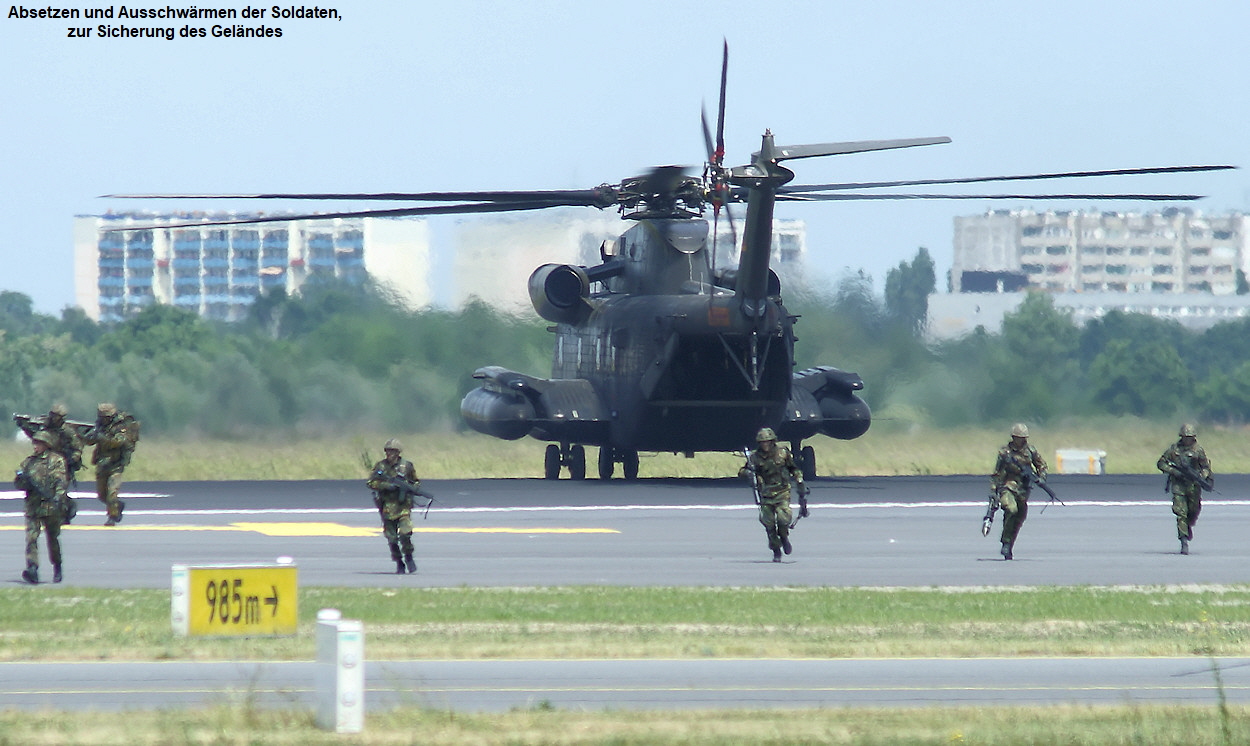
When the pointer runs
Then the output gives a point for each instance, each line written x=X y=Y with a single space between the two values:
x=310 y=528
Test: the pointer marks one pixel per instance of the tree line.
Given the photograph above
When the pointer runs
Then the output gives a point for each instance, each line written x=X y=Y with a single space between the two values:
x=339 y=357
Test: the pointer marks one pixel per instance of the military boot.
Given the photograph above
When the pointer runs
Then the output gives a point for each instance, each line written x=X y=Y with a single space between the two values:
x=785 y=545
x=776 y=555
x=31 y=574
x=399 y=567
x=1184 y=546
x=56 y=573
x=1006 y=550
x=412 y=565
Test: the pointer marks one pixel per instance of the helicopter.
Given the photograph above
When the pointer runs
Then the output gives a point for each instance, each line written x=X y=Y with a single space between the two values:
x=655 y=349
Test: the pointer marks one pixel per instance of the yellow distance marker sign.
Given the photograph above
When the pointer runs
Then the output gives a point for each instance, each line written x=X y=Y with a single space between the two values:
x=228 y=600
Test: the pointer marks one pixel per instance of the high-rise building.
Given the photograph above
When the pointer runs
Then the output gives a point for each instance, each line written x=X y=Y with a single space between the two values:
x=1170 y=251
x=217 y=271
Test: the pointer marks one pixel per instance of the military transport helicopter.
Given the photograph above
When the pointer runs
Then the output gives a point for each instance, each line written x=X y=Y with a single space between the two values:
x=655 y=351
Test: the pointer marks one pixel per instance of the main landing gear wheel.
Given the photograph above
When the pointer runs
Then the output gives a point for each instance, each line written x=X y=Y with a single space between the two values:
x=577 y=463
x=608 y=456
x=551 y=462
x=607 y=462
x=807 y=462
x=629 y=465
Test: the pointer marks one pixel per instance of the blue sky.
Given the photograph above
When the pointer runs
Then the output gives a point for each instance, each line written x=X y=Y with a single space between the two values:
x=404 y=96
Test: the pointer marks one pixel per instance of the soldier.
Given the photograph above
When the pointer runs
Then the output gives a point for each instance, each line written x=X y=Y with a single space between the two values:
x=43 y=477
x=114 y=436
x=1189 y=473
x=394 y=482
x=772 y=467
x=1018 y=467
x=69 y=442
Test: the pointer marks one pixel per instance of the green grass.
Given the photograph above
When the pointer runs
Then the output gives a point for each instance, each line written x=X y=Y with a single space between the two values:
x=891 y=447
x=239 y=723
x=587 y=622
x=65 y=623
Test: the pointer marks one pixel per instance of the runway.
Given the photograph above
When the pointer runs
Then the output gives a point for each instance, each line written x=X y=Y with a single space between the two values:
x=497 y=686
x=904 y=531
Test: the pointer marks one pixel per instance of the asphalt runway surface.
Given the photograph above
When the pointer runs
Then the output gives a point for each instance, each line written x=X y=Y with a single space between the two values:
x=900 y=531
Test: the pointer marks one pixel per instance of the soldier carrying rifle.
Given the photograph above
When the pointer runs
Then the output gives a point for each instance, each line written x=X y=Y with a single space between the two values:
x=67 y=435
x=1189 y=473
x=770 y=468
x=1018 y=468
x=395 y=486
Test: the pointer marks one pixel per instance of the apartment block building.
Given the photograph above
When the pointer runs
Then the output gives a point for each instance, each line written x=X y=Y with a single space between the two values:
x=1174 y=251
x=218 y=271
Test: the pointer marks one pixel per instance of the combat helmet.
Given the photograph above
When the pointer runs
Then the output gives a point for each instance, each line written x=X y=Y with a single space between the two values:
x=765 y=433
x=1019 y=430
x=393 y=445
x=45 y=437
x=59 y=409
x=108 y=409
x=1188 y=431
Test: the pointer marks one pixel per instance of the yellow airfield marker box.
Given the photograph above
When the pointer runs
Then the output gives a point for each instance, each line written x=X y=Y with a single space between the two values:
x=235 y=600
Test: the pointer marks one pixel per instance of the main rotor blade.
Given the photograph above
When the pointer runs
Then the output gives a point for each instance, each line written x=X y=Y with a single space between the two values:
x=1023 y=177
x=720 y=109
x=395 y=213
x=707 y=138
x=852 y=197
x=602 y=195
x=790 y=152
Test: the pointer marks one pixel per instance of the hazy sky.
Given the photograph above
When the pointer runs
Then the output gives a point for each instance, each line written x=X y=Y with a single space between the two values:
x=410 y=96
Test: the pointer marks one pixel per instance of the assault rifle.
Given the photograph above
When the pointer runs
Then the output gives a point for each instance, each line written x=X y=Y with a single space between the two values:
x=407 y=489
x=750 y=467
x=68 y=506
x=990 y=509
x=1031 y=478
x=1189 y=472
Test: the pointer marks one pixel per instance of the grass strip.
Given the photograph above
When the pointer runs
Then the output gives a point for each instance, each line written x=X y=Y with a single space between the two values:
x=240 y=723
x=66 y=623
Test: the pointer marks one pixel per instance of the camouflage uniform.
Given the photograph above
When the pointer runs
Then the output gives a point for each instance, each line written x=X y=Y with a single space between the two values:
x=114 y=437
x=44 y=483
x=1007 y=483
x=1186 y=492
x=773 y=468
x=67 y=442
x=395 y=505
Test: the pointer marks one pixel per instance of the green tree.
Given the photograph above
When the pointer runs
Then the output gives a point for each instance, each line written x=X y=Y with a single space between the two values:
x=1034 y=373
x=1147 y=380
x=907 y=290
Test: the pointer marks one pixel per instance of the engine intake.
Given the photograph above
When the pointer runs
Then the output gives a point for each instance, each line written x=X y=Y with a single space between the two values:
x=560 y=293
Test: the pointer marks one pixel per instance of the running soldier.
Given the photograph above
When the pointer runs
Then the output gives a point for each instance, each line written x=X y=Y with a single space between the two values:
x=1189 y=473
x=114 y=436
x=1018 y=468
x=771 y=467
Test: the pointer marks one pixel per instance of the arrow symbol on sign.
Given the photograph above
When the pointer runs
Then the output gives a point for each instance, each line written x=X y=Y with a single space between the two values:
x=273 y=600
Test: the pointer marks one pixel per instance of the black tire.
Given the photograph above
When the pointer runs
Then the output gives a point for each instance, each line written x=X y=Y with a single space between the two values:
x=577 y=463
x=808 y=457
x=630 y=465
x=551 y=462
x=606 y=463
